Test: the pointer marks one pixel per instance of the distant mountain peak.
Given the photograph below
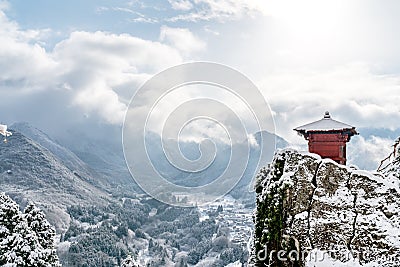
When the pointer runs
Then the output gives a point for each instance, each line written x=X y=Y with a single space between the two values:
x=29 y=171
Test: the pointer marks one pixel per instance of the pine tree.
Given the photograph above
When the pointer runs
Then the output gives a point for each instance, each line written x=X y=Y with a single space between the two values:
x=38 y=223
x=129 y=262
x=19 y=244
x=9 y=212
x=45 y=232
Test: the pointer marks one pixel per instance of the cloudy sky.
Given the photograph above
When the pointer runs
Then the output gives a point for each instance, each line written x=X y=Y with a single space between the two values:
x=65 y=63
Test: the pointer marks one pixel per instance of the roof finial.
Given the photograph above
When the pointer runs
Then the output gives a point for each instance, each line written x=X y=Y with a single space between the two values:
x=327 y=115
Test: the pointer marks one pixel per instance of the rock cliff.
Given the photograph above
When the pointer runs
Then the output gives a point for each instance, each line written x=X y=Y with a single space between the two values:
x=315 y=212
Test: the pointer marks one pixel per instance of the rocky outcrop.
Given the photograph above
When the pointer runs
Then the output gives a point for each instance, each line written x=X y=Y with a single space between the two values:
x=315 y=212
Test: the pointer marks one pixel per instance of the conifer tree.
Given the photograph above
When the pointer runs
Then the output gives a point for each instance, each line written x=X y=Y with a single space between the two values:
x=38 y=223
x=19 y=243
x=129 y=262
x=45 y=232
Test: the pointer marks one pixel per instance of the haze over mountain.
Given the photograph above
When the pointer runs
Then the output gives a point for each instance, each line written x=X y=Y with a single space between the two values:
x=28 y=171
x=82 y=205
x=86 y=169
x=101 y=159
x=100 y=165
x=217 y=166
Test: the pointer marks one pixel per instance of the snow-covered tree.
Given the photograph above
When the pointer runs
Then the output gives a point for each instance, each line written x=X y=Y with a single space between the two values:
x=38 y=223
x=129 y=262
x=19 y=243
x=45 y=232
x=181 y=263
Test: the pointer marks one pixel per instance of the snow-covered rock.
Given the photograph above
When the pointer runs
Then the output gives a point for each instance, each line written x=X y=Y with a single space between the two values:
x=306 y=204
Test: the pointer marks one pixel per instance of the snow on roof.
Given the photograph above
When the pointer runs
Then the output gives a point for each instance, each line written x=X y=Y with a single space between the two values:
x=324 y=124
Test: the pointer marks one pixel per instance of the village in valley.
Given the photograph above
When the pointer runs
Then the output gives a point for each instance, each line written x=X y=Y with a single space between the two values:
x=233 y=215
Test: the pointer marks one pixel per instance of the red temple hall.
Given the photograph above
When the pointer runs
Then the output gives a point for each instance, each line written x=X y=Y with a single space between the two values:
x=328 y=137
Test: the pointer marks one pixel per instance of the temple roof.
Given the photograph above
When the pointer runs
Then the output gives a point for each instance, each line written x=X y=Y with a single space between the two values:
x=326 y=124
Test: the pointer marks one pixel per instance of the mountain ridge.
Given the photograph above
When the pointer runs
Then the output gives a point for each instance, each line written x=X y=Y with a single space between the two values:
x=30 y=172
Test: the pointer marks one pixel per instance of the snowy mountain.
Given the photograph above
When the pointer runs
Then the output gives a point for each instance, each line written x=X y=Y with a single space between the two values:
x=217 y=167
x=105 y=156
x=28 y=171
x=102 y=151
x=68 y=158
x=315 y=212
x=34 y=166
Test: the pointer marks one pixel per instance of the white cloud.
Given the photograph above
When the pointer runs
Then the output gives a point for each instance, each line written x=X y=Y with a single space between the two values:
x=96 y=63
x=4 y=5
x=367 y=153
x=98 y=71
x=352 y=93
x=183 y=5
x=183 y=39
x=121 y=52
x=100 y=98
x=208 y=29
x=221 y=10
x=301 y=57
x=252 y=140
x=144 y=20
x=139 y=17
x=193 y=10
x=19 y=52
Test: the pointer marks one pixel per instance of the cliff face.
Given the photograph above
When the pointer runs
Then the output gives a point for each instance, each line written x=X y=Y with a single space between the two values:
x=315 y=212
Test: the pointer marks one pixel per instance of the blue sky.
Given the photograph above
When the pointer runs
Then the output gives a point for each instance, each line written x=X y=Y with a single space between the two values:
x=80 y=62
x=67 y=16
